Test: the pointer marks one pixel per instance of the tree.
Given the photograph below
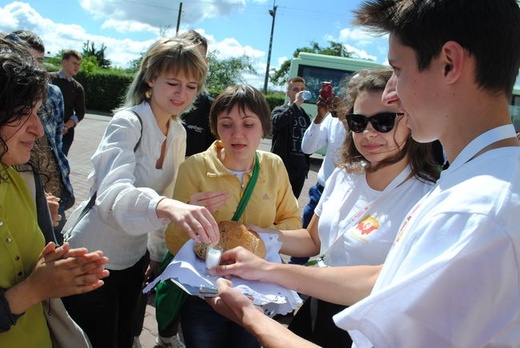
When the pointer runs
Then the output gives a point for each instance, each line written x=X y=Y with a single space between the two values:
x=135 y=64
x=280 y=76
x=89 y=50
x=226 y=72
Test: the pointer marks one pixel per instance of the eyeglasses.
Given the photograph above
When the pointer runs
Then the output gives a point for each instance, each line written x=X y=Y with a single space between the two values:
x=382 y=122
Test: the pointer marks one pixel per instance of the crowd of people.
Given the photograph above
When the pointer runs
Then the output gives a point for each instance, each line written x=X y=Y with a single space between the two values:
x=395 y=248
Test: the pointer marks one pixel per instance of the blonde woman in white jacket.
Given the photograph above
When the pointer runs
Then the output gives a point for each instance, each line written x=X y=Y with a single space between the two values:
x=135 y=167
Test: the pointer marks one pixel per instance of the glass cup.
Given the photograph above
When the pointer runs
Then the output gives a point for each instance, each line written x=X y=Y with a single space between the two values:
x=213 y=254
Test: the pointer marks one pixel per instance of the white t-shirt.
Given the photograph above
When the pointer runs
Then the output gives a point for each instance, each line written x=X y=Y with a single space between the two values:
x=366 y=220
x=330 y=132
x=452 y=278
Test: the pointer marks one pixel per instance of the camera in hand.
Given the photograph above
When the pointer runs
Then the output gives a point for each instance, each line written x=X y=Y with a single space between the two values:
x=326 y=90
x=326 y=94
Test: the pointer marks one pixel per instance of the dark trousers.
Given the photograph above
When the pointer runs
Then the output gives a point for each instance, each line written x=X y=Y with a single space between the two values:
x=67 y=141
x=202 y=327
x=314 y=197
x=316 y=324
x=108 y=314
x=297 y=176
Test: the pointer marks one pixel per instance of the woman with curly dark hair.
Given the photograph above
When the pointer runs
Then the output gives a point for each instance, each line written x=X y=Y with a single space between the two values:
x=29 y=275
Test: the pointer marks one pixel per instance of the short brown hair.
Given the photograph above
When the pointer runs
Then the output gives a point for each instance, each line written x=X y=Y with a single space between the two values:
x=295 y=79
x=194 y=37
x=67 y=54
x=245 y=96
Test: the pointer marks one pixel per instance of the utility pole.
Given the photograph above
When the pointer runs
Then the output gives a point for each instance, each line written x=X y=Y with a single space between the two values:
x=273 y=14
x=179 y=19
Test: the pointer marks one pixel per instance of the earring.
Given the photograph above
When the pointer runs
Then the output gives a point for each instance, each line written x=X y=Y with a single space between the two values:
x=148 y=94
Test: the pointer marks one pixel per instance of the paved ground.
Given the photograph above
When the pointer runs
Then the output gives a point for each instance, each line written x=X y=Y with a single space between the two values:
x=86 y=138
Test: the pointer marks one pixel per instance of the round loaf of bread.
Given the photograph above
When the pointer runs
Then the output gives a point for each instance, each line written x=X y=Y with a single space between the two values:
x=233 y=234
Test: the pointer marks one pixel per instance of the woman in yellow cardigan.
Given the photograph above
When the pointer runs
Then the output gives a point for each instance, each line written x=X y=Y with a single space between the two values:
x=216 y=178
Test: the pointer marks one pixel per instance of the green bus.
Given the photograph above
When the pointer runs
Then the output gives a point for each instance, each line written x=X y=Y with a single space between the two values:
x=316 y=68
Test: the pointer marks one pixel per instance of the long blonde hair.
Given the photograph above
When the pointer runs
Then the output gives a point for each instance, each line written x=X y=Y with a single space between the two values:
x=171 y=54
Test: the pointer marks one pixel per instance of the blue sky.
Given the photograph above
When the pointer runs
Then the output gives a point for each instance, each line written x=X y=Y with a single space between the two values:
x=233 y=27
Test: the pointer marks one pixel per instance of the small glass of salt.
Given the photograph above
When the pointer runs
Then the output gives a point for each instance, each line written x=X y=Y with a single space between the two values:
x=213 y=254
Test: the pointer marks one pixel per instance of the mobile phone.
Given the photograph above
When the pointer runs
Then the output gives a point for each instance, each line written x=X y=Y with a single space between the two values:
x=326 y=90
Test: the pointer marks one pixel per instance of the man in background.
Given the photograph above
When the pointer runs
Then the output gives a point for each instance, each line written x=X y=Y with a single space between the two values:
x=325 y=130
x=73 y=95
x=289 y=124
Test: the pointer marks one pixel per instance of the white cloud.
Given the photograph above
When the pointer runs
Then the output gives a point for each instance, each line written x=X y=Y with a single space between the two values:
x=159 y=17
x=58 y=36
x=231 y=48
x=281 y=60
x=356 y=34
x=161 y=12
x=359 y=53
x=129 y=26
x=18 y=15
x=357 y=40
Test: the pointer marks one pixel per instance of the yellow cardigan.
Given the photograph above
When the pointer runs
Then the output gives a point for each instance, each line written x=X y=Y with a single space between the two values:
x=272 y=204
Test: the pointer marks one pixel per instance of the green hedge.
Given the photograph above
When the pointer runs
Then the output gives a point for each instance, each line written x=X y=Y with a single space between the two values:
x=275 y=99
x=105 y=90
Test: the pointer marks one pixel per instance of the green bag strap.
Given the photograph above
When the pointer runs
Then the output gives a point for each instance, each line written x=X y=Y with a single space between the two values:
x=248 y=191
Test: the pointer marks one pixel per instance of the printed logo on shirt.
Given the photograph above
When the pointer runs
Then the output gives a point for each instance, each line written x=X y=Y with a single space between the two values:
x=364 y=228
x=266 y=197
x=406 y=223
x=195 y=128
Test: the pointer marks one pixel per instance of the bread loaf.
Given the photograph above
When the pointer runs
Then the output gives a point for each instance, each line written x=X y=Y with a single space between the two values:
x=233 y=234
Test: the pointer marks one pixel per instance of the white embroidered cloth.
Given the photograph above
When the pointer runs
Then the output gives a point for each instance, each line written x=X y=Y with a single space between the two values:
x=190 y=273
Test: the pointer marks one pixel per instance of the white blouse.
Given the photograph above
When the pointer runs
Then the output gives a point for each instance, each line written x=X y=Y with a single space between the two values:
x=129 y=186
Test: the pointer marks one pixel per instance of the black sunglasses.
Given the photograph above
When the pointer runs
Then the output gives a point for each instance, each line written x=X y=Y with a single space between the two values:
x=382 y=122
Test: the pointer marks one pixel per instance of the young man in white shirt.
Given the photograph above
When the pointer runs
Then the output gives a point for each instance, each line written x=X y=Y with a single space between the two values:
x=452 y=278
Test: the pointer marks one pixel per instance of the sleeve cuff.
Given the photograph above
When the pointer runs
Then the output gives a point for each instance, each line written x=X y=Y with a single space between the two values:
x=7 y=319
x=75 y=119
